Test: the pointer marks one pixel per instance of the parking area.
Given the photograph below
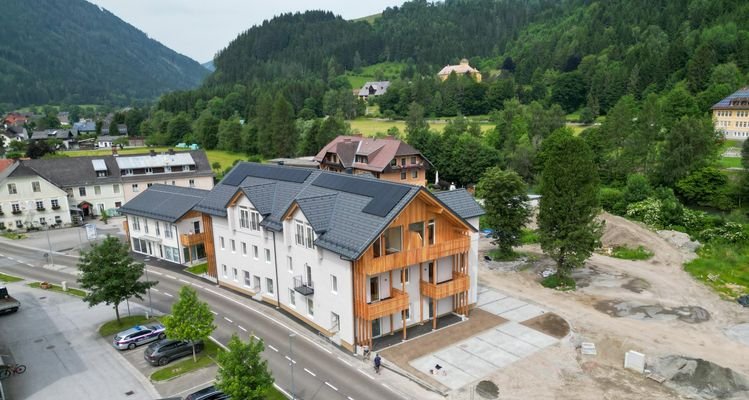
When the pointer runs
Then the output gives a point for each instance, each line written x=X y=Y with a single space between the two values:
x=479 y=356
x=56 y=337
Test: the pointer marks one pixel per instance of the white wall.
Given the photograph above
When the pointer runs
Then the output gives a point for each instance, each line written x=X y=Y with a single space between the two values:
x=201 y=182
x=26 y=198
x=158 y=238
x=106 y=196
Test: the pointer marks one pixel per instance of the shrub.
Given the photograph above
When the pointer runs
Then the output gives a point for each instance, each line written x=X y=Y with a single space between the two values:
x=627 y=253
x=555 y=282
x=730 y=232
x=612 y=200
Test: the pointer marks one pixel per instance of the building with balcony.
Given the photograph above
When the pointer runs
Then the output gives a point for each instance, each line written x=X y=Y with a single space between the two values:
x=731 y=115
x=352 y=256
x=28 y=201
x=385 y=158
x=160 y=223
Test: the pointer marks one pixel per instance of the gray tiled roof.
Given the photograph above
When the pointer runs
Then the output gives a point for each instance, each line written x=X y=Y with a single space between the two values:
x=461 y=202
x=164 y=202
x=346 y=220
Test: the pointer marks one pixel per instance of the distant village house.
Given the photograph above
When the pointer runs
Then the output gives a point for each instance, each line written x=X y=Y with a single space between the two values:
x=731 y=115
x=373 y=89
x=461 y=69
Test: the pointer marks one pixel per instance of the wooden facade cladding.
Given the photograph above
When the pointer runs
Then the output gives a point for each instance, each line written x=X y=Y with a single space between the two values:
x=398 y=301
x=418 y=255
x=193 y=239
x=210 y=248
x=459 y=283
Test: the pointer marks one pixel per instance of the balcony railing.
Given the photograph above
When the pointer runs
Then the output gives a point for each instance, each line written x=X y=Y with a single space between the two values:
x=398 y=301
x=55 y=207
x=192 y=239
x=304 y=286
x=403 y=258
x=16 y=212
x=459 y=283
x=40 y=209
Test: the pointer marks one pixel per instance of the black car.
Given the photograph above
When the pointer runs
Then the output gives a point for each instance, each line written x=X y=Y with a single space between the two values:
x=164 y=351
x=209 y=393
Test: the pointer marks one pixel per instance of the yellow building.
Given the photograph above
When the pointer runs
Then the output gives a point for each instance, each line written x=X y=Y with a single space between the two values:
x=731 y=115
x=461 y=69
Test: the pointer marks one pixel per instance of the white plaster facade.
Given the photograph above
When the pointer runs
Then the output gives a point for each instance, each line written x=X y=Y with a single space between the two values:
x=161 y=239
x=36 y=203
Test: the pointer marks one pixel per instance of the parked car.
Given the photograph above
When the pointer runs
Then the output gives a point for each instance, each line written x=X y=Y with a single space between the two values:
x=164 y=351
x=138 y=335
x=7 y=303
x=209 y=393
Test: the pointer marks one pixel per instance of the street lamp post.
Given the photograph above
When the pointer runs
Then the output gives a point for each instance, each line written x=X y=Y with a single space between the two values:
x=291 y=362
x=145 y=265
x=49 y=243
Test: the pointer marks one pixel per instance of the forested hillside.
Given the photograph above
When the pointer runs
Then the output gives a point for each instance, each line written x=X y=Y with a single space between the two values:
x=71 y=51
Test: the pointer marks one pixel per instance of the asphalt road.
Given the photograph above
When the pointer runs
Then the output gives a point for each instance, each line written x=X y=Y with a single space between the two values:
x=320 y=371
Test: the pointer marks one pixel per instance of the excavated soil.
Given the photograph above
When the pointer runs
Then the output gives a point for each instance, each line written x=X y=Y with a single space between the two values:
x=550 y=324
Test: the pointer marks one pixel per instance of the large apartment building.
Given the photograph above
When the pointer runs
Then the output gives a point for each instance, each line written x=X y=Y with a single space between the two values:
x=352 y=256
x=731 y=115
x=385 y=158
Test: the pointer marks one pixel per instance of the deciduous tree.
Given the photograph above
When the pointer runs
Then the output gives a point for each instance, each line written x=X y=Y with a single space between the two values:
x=191 y=319
x=506 y=203
x=243 y=373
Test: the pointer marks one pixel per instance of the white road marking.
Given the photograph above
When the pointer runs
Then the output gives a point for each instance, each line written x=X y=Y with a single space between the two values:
x=155 y=272
x=184 y=281
x=287 y=394
x=11 y=259
x=214 y=313
x=310 y=372
x=331 y=386
x=273 y=348
x=350 y=398
x=240 y=327
x=393 y=390
x=344 y=361
x=289 y=358
x=172 y=277
x=155 y=290
x=28 y=264
x=214 y=340
x=228 y=320
x=256 y=337
x=366 y=374
x=192 y=389
x=167 y=294
x=198 y=286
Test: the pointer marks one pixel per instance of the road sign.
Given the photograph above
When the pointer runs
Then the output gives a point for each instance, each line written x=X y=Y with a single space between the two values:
x=90 y=231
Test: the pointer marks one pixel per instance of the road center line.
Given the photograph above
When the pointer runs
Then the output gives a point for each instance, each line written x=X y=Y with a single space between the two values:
x=290 y=359
x=228 y=320
x=344 y=361
x=167 y=294
x=273 y=348
x=184 y=281
x=256 y=337
x=310 y=372
x=214 y=313
x=366 y=374
x=350 y=398
x=331 y=386
x=156 y=272
x=172 y=277
x=155 y=290
x=240 y=327
x=198 y=286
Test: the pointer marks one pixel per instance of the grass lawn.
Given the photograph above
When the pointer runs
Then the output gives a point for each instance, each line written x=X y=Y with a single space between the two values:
x=369 y=127
x=390 y=70
x=55 y=288
x=528 y=236
x=198 y=269
x=275 y=394
x=12 y=235
x=205 y=358
x=225 y=158
x=628 y=253
x=722 y=266
x=9 y=278
x=112 y=327
x=729 y=162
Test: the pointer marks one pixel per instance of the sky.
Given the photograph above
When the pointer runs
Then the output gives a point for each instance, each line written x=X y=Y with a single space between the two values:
x=200 y=28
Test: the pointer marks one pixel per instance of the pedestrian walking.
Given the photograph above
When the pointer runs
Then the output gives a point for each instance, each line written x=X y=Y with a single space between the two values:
x=377 y=363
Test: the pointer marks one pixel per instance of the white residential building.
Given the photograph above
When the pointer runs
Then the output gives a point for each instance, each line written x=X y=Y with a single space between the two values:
x=28 y=200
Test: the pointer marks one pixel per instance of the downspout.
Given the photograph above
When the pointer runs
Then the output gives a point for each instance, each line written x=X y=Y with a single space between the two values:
x=275 y=262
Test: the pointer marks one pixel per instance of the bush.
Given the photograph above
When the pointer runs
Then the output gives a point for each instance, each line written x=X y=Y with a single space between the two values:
x=612 y=200
x=529 y=236
x=559 y=283
x=627 y=253
x=730 y=232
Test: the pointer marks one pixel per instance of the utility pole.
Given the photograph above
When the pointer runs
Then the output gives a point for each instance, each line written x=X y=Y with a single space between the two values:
x=145 y=267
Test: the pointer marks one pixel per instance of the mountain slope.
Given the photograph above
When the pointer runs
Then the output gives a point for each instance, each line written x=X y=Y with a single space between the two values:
x=72 y=51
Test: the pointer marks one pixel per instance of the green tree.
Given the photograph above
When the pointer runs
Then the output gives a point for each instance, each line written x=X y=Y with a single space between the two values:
x=178 y=128
x=702 y=187
x=206 y=130
x=282 y=128
x=111 y=275
x=191 y=319
x=569 y=204
x=569 y=91
x=243 y=373
x=699 y=68
x=230 y=134
x=689 y=145
x=121 y=141
x=506 y=203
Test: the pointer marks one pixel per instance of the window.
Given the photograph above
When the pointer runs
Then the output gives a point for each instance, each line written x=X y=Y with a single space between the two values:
x=158 y=231
x=256 y=283
x=224 y=270
x=244 y=218
x=415 y=174
x=40 y=205
x=233 y=245
x=310 y=307
x=334 y=284
x=145 y=225
x=36 y=187
x=235 y=275
x=377 y=247
x=12 y=188
x=408 y=313
x=135 y=188
x=254 y=252
x=244 y=248
x=246 y=278
x=192 y=182
x=136 y=223
x=82 y=191
x=393 y=238
x=255 y=222
x=406 y=276
x=149 y=170
x=167 y=231
x=292 y=298
x=15 y=208
x=42 y=221
x=19 y=223
x=417 y=228
x=58 y=219
x=431 y=233
x=116 y=188
x=2 y=225
x=100 y=206
x=305 y=235
x=269 y=285
x=97 y=190
x=55 y=204
x=221 y=240
x=413 y=160
x=403 y=162
x=267 y=256
x=148 y=185
x=403 y=174
x=171 y=253
x=393 y=162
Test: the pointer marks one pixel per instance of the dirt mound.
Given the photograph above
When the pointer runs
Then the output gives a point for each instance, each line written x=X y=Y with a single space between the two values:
x=702 y=379
x=550 y=324
x=618 y=231
x=640 y=311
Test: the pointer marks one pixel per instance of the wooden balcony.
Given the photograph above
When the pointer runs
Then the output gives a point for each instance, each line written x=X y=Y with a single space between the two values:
x=458 y=284
x=192 y=239
x=398 y=301
x=417 y=255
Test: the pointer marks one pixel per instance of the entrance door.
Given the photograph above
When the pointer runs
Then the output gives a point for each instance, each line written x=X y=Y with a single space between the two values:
x=374 y=289
x=376 y=331
x=196 y=226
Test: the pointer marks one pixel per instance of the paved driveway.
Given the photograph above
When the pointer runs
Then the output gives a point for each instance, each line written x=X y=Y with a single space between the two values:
x=496 y=348
x=56 y=337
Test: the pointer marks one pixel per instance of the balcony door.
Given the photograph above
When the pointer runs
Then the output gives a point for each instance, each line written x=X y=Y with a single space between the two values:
x=309 y=274
x=196 y=226
x=376 y=329
x=374 y=289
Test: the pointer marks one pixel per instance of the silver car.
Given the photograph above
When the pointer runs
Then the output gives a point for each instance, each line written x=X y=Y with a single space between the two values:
x=138 y=335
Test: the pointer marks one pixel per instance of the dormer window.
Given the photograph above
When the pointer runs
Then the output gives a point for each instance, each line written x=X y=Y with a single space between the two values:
x=361 y=159
x=149 y=170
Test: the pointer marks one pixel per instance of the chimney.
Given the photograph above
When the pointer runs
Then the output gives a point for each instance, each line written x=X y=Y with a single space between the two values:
x=171 y=152
x=153 y=153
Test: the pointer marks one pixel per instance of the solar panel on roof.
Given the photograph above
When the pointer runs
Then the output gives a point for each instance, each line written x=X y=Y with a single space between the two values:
x=384 y=196
x=99 y=165
x=243 y=170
